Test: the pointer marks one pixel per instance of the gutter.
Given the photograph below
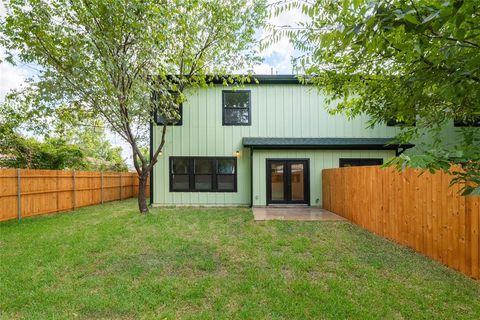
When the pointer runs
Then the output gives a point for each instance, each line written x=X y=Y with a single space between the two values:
x=329 y=146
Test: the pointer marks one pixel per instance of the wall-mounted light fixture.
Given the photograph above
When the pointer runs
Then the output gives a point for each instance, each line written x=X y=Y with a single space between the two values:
x=237 y=153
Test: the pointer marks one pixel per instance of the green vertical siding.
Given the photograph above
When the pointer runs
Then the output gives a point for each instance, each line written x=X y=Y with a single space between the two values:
x=277 y=111
x=319 y=160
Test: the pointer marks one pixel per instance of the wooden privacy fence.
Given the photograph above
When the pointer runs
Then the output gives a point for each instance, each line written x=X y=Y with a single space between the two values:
x=26 y=193
x=421 y=212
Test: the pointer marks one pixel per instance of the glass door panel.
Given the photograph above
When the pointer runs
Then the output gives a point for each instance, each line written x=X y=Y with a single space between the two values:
x=277 y=181
x=287 y=181
x=297 y=182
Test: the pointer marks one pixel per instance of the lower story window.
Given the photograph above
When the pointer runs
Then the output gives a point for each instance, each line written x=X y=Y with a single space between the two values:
x=356 y=162
x=203 y=174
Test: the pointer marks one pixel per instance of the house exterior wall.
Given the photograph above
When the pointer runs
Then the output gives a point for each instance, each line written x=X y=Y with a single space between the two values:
x=277 y=110
x=318 y=160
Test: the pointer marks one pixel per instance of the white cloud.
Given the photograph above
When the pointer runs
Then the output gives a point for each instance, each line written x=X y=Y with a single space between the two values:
x=11 y=77
x=264 y=68
x=278 y=55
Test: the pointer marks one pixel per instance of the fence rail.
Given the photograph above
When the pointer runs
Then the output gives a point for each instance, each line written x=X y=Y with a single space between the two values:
x=26 y=193
x=419 y=211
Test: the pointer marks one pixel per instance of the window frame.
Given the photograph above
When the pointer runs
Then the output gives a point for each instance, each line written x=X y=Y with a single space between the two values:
x=157 y=120
x=342 y=161
x=191 y=174
x=467 y=124
x=395 y=123
x=171 y=123
x=224 y=109
x=170 y=174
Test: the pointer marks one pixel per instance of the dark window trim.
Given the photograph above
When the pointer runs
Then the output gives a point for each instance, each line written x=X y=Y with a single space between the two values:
x=191 y=174
x=249 y=108
x=286 y=162
x=156 y=119
x=462 y=123
x=343 y=161
x=177 y=123
x=395 y=123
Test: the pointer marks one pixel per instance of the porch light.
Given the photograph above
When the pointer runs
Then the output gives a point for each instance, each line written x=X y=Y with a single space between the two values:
x=237 y=153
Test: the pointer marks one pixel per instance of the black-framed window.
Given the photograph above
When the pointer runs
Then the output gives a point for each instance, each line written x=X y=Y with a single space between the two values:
x=236 y=107
x=172 y=115
x=475 y=122
x=397 y=123
x=203 y=174
x=356 y=162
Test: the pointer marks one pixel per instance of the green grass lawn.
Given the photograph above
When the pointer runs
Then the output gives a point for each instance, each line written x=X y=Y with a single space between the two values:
x=109 y=262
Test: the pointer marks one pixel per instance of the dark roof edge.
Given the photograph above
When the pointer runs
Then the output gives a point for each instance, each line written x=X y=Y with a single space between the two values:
x=234 y=79
x=263 y=79
x=324 y=143
x=333 y=147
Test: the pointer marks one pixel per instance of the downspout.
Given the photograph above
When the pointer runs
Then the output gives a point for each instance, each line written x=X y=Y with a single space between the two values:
x=251 y=177
x=151 y=158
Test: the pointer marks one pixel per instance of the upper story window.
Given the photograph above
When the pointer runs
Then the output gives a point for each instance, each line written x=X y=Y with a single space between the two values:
x=475 y=122
x=173 y=115
x=171 y=118
x=236 y=107
x=397 y=123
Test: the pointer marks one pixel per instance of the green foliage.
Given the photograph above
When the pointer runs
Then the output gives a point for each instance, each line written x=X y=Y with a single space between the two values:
x=416 y=62
x=74 y=148
x=91 y=137
x=101 y=56
x=19 y=152
x=107 y=57
x=465 y=155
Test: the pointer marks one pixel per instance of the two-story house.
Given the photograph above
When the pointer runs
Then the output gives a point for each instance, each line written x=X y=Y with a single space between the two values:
x=259 y=145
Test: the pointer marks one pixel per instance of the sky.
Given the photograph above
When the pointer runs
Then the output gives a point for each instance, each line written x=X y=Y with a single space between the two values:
x=276 y=58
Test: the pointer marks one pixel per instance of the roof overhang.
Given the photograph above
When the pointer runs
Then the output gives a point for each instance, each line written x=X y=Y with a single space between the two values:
x=324 y=143
x=264 y=79
x=232 y=79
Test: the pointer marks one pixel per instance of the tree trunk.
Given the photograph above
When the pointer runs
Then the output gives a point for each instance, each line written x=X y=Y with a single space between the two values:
x=142 y=192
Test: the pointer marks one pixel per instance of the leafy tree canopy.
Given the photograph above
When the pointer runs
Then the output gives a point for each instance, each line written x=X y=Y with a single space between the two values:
x=83 y=147
x=106 y=57
x=54 y=154
x=416 y=62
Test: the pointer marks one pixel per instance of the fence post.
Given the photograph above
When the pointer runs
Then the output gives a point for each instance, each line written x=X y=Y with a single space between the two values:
x=101 y=187
x=57 y=193
x=19 y=197
x=120 y=176
x=74 y=195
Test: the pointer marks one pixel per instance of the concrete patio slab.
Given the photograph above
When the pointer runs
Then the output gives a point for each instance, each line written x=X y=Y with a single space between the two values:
x=294 y=214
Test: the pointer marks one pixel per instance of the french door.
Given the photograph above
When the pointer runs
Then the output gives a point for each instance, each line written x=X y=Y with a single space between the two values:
x=288 y=181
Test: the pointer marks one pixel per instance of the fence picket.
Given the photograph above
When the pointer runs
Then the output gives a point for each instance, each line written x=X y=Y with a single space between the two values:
x=25 y=192
x=422 y=212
